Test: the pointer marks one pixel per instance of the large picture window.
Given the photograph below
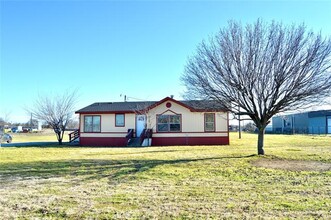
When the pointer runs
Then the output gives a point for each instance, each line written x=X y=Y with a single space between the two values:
x=92 y=123
x=119 y=120
x=209 y=122
x=169 y=123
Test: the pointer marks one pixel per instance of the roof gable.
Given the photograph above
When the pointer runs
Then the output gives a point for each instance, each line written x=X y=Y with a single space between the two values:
x=167 y=99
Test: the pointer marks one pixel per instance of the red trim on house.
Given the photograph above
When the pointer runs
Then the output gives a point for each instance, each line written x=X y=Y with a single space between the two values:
x=228 y=126
x=204 y=121
x=105 y=112
x=147 y=109
x=170 y=141
x=103 y=141
x=106 y=132
x=124 y=120
x=156 y=141
x=168 y=110
x=166 y=99
x=197 y=132
x=186 y=132
x=170 y=99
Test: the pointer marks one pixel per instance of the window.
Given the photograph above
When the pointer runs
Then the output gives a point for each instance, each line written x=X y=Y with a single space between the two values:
x=169 y=123
x=119 y=120
x=92 y=123
x=209 y=122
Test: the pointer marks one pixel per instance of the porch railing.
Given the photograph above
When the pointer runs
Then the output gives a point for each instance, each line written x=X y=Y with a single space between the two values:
x=146 y=133
x=129 y=135
x=73 y=135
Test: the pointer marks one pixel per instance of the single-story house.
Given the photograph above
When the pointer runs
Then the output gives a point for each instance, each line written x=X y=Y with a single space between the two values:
x=312 y=122
x=157 y=123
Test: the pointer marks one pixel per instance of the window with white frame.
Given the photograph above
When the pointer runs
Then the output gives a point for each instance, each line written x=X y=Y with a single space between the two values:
x=209 y=121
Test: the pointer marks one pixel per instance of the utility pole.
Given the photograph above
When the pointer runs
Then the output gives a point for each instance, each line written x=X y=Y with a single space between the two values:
x=31 y=123
x=124 y=96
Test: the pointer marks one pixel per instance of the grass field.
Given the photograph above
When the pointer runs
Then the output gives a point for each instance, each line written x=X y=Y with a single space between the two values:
x=47 y=135
x=292 y=181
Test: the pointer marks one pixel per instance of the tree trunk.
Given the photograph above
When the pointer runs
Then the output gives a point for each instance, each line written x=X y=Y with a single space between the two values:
x=260 y=142
x=59 y=138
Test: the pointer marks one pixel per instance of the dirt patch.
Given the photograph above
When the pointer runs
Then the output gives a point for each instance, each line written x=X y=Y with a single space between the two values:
x=292 y=165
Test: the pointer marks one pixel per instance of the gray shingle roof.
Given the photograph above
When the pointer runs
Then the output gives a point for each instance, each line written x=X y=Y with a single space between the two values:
x=108 y=107
x=115 y=107
x=204 y=105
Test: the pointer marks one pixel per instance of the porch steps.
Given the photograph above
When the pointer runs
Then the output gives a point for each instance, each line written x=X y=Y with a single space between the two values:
x=74 y=142
x=134 y=142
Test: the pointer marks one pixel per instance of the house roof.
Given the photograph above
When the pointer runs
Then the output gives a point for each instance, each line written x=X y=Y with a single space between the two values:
x=129 y=107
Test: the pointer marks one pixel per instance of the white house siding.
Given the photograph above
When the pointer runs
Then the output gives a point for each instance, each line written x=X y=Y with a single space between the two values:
x=192 y=128
x=108 y=128
x=192 y=122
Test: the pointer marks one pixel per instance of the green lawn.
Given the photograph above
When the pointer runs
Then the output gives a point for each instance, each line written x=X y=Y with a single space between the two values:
x=170 y=182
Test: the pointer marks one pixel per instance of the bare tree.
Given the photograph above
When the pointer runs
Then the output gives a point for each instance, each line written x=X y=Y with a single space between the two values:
x=5 y=118
x=57 y=112
x=263 y=69
x=249 y=127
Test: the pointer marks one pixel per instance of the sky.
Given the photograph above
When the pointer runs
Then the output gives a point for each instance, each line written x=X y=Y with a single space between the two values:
x=104 y=49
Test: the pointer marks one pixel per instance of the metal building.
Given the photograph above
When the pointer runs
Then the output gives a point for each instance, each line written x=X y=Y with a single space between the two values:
x=313 y=122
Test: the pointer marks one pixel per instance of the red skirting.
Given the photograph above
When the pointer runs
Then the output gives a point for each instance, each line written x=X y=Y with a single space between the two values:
x=168 y=141
x=156 y=141
x=103 y=141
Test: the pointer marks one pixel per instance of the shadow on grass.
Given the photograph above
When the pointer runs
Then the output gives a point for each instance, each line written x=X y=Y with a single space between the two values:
x=90 y=168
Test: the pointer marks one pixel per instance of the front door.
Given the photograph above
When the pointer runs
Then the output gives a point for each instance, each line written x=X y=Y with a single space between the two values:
x=329 y=124
x=140 y=124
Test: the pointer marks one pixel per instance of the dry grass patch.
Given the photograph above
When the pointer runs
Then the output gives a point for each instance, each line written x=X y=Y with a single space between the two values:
x=46 y=135
x=292 y=165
